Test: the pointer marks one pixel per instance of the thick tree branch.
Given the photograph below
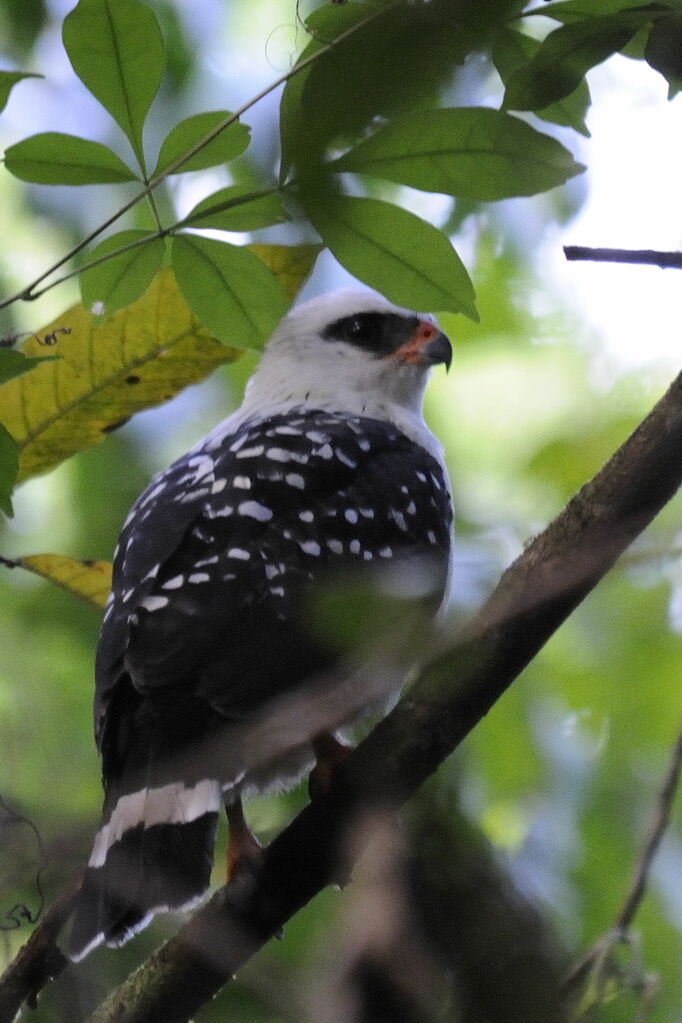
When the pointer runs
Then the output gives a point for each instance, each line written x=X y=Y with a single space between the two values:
x=456 y=689
x=649 y=257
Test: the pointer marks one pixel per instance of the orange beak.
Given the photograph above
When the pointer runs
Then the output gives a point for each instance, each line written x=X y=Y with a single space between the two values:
x=428 y=346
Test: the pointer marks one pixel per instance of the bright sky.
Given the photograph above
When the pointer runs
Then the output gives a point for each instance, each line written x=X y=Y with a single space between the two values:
x=634 y=201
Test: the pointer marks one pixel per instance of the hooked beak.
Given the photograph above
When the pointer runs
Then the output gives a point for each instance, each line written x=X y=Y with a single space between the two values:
x=428 y=346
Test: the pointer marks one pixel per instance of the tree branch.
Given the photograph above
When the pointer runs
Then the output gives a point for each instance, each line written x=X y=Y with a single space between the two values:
x=456 y=689
x=649 y=257
x=40 y=959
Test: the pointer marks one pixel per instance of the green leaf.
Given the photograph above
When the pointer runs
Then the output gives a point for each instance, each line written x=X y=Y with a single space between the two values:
x=14 y=364
x=116 y=49
x=9 y=469
x=568 y=11
x=52 y=158
x=566 y=55
x=231 y=142
x=8 y=79
x=326 y=23
x=137 y=358
x=663 y=51
x=229 y=289
x=511 y=50
x=122 y=279
x=469 y=152
x=394 y=251
x=238 y=209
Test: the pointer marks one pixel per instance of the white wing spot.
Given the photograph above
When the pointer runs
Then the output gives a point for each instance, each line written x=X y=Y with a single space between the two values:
x=364 y=444
x=277 y=591
x=294 y=479
x=411 y=508
x=199 y=577
x=354 y=547
x=350 y=515
x=385 y=552
x=218 y=485
x=324 y=452
x=239 y=553
x=173 y=584
x=306 y=516
x=335 y=546
x=399 y=519
x=420 y=476
x=153 y=603
x=241 y=482
x=310 y=547
x=213 y=560
x=282 y=455
x=219 y=513
x=345 y=459
x=431 y=536
x=287 y=431
x=368 y=513
x=254 y=452
x=254 y=510
x=317 y=436
x=152 y=573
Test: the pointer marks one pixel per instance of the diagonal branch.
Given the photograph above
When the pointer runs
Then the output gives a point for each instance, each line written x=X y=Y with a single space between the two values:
x=456 y=689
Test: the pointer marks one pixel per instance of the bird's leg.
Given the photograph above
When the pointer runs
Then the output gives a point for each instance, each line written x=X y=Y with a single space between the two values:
x=329 y=753
x=244 y=851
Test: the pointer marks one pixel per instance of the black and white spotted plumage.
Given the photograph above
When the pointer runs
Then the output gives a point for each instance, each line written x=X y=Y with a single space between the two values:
x=209 y=622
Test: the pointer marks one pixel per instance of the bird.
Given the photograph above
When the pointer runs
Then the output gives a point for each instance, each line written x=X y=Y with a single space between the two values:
x=212 y=679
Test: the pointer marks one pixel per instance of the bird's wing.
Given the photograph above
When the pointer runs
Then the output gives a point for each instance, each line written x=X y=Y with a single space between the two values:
x=219 y=555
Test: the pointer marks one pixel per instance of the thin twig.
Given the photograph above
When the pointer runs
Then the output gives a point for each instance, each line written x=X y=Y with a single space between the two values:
x=646 y=257
x=632 y=901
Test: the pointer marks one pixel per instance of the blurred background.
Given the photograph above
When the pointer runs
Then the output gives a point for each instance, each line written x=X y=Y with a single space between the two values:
x=561 y=777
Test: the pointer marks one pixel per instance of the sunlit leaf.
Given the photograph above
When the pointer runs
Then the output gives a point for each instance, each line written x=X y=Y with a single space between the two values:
x=290 y=264
x=52 y=158
x=394 y=251
x=14 y=363
x=116 y=49
x=116 y=283
x=229 y=288
x=139 y=357
x=566 y=55
x=90 y=581
x=231 y=142
x=8 y=79
x=512 y=49
x=237 y=209
x=472 y=152
x=9 y=469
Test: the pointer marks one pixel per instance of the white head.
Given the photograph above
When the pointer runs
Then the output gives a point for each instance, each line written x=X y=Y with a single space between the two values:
x=349 y=351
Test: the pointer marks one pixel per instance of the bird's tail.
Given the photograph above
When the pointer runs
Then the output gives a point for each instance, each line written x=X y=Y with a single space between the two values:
x=153 y=853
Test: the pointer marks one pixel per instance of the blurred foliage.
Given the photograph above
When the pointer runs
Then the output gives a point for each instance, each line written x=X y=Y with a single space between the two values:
x=562 y=775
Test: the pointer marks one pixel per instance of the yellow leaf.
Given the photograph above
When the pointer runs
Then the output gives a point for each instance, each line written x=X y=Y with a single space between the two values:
x=291 y=264
x=139 y=357
x=88 y=580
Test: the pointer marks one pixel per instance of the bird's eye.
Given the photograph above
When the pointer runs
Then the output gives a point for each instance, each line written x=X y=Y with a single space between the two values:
x=364 y=329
